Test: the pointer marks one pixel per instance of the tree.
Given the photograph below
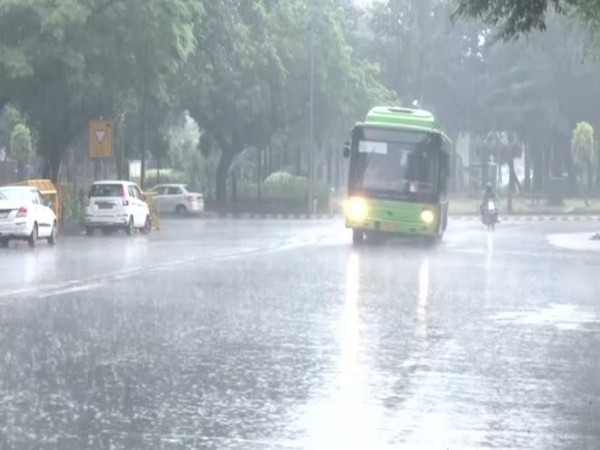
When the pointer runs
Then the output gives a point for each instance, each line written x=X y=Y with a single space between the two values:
x=249 y=81
x=9 y=118
x=425 y=57
x=65 y=63
x=21 y=147
x=513 y=18
x=584 y=152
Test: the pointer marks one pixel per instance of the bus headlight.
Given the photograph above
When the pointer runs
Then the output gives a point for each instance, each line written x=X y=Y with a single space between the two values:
x=427 y=216
x=356 y=209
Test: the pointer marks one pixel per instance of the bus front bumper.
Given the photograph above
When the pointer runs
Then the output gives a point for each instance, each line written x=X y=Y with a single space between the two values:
x=372 y=215
x=393 y=227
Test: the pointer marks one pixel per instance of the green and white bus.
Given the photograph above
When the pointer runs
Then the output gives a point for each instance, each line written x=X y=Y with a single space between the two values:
x=398 y=175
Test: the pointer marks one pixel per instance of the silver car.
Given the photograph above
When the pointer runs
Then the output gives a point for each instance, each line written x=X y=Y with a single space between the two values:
x=175 y=198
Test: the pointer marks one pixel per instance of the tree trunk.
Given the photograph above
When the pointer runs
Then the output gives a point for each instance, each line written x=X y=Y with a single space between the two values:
x=514 y=184
x=337 y=170
x=259 y=157
x=485 y=160
x=527 y=156
x=158 y=170
x=538 y=169
x=225 y=161
x=545 y=169
x=55 y=164
x=143 y=133
x=234 y=177
x=21 y=170
x=52 y=166
x=329 y=168
x=298 y=155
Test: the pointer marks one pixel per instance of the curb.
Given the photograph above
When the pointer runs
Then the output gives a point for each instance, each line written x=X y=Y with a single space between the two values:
x=513 y=218
x=251 y=216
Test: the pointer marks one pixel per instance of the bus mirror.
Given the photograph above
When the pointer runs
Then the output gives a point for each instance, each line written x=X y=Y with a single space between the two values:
x=347 y=150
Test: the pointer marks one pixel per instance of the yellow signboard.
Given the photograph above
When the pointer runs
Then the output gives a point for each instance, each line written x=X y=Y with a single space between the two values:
x=100 y=139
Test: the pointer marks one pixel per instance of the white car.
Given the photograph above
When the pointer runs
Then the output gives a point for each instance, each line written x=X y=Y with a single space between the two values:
x=115 y=205
x=175 y=198
x=24 y=216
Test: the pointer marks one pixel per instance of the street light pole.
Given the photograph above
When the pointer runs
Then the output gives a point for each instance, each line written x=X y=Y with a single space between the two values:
x=311 y=127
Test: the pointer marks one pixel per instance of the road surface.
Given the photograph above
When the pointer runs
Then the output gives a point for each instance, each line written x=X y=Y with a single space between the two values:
x=280 y=335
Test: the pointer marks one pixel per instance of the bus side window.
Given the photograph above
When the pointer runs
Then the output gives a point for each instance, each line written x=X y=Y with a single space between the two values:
x=445 y=169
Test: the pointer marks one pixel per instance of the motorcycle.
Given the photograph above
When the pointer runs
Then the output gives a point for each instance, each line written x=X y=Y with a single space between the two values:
x=489 y=214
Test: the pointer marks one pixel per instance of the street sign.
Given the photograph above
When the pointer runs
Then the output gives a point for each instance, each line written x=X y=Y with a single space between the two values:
x=100 y=139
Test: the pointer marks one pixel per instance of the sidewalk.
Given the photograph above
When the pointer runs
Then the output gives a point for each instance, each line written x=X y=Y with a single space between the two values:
x=575 y=241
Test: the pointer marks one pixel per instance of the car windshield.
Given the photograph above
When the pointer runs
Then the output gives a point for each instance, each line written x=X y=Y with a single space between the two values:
x=106 y=190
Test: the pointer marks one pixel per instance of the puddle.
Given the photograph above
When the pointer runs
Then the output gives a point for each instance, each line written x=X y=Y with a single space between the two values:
x=563 y=317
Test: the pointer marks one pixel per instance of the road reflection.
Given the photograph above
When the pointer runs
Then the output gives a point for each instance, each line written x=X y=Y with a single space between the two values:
x=349 y=368
x=490 y=252
x=423 y=307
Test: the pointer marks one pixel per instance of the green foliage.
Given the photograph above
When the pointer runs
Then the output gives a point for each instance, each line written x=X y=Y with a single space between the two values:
x=64 y=63
x=166 y=176
x=21 y=144
x=425 y=57
x=183 y=139
x=513 y=18
x=72 y=207
x=9 y=118
x=243 y=71
x=283 y=188
x=584 y=152
x=249 y=79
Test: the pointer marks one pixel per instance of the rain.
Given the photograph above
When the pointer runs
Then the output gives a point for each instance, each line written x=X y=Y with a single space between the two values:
x=295 y=224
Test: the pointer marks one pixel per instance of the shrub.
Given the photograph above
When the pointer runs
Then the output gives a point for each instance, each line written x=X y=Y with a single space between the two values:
x=166 y=176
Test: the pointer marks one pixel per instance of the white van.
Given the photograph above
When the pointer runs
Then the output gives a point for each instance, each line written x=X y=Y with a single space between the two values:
x=116 y=205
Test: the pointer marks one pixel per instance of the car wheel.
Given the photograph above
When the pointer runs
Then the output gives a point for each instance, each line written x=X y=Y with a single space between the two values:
x=181 y=210
x=33 y=237
x=53 y=238
x=130 y=229
x=445 y=221
x=147 y=226
x=89 y=231
x=4 y=243
x=358 y=237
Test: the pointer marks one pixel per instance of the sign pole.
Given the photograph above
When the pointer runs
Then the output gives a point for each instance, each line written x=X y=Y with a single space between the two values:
x=100 y=144
x=96 y=169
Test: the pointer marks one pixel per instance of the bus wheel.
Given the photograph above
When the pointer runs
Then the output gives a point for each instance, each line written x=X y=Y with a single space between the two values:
x=358 y=237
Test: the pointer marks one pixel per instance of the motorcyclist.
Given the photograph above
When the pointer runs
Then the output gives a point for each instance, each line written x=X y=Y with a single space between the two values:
x=488 y=194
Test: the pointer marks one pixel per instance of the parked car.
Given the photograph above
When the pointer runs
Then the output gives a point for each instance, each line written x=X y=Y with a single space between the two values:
x=116 y=205
x=175 y=198
x=24 y=215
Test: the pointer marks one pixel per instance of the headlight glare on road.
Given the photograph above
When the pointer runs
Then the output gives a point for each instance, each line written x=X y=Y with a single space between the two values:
x=427 y=216
x=356 y=208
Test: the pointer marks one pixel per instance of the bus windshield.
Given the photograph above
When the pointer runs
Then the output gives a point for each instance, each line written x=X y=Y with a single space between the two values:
x=399 y=163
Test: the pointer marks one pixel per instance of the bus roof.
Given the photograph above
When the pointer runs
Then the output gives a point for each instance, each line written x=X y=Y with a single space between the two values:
x=402 y=118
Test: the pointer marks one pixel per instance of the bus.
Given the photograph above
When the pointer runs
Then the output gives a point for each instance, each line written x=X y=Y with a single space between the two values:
x=398 y=175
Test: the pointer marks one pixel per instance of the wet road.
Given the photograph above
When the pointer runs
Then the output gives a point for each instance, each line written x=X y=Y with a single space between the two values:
x=252 y=335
